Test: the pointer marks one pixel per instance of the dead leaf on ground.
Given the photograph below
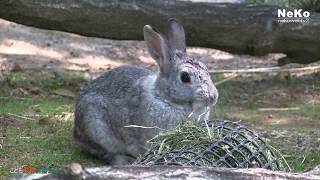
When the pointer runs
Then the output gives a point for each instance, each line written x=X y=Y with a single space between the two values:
x=37 y=110
x=44 y=120
x=6 y=120
x=34 y=90
x=16 y=68
x=64 y=92
x=20 y=92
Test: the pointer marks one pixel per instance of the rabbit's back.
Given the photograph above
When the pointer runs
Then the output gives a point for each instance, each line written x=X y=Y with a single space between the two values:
x=116 y=91
x=117 y=82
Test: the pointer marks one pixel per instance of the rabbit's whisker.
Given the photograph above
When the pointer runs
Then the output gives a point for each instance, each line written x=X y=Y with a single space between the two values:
x=143 y=127
x=190 y=114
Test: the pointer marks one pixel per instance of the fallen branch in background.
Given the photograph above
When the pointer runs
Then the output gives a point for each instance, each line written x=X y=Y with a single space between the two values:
x=224 y=26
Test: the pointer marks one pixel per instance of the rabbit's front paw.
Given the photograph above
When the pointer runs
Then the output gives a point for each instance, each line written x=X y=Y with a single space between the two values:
x=122 y=159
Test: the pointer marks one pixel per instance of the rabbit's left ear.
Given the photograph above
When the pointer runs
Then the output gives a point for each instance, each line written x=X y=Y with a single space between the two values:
x=158 y=49
x=176 y=35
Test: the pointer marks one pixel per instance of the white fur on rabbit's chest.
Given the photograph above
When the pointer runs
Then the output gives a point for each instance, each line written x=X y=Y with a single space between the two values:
x=156 y=111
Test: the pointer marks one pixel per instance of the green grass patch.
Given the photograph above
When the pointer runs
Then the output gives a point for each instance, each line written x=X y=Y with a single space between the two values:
x=44 y=105
x=298 y=159
x=34 y=144
x=45 y=81
x=304 y=161
x=26 y=141
x=311 y=110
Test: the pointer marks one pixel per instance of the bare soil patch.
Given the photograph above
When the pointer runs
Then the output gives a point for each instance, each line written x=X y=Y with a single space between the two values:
x=33 y=48
x=8 y=121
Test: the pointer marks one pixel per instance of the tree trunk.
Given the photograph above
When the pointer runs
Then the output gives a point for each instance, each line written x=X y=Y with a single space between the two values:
x=235 y=28
x=76 y=171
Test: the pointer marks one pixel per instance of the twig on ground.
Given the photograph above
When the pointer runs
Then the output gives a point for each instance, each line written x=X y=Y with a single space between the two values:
x=304 y=158
x=227 y=79
x=8 y=97
x=21 y=117
x=282 y=157
x=25 y=137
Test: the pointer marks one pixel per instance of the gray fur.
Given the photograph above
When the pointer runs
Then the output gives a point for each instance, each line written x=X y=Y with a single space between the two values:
x=132 y=95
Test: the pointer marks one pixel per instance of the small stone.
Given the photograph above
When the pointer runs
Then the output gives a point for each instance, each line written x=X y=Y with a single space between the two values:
x=75 y=168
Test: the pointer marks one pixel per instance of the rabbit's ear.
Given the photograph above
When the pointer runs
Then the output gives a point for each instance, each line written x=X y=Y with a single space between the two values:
x=158 y=48
x=176 y=35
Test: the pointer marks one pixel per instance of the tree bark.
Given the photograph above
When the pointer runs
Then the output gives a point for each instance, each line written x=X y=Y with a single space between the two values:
x=236 y=28
x=76 y=171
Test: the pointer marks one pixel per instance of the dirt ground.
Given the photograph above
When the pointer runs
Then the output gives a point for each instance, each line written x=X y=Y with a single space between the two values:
x=34 y=48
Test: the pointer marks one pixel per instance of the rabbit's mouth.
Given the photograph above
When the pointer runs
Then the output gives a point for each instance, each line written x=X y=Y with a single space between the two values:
x=199 y=111
x=199 y=105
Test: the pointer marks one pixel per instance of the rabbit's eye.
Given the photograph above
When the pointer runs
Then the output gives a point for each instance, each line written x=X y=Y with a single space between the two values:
x=185 y=77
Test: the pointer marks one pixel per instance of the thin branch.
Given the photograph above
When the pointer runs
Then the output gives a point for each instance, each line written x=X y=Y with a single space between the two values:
x=8 y=97
x=21 y=117
x=227 y=79
x=279 y=109
x=268 y=69
x=281 y=156
x=304 y=158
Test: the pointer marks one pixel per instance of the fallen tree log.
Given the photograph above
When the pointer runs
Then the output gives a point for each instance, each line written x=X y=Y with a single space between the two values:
x=76 y=171
x=236 y=28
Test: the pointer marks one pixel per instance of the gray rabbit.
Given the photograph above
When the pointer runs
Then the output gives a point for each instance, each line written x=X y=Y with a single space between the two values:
x=131 y=95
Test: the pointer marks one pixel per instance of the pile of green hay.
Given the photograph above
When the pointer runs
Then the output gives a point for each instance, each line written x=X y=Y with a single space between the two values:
x=174 y=146
x=187 y=134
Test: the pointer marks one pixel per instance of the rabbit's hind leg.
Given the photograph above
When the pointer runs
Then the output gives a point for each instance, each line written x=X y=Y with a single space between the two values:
x=89 y=147
x=94 y=134
x=110 y=158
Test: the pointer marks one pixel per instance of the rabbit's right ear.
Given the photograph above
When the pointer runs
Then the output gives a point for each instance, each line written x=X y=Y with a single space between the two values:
x=158 y=48
x=176 y=35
